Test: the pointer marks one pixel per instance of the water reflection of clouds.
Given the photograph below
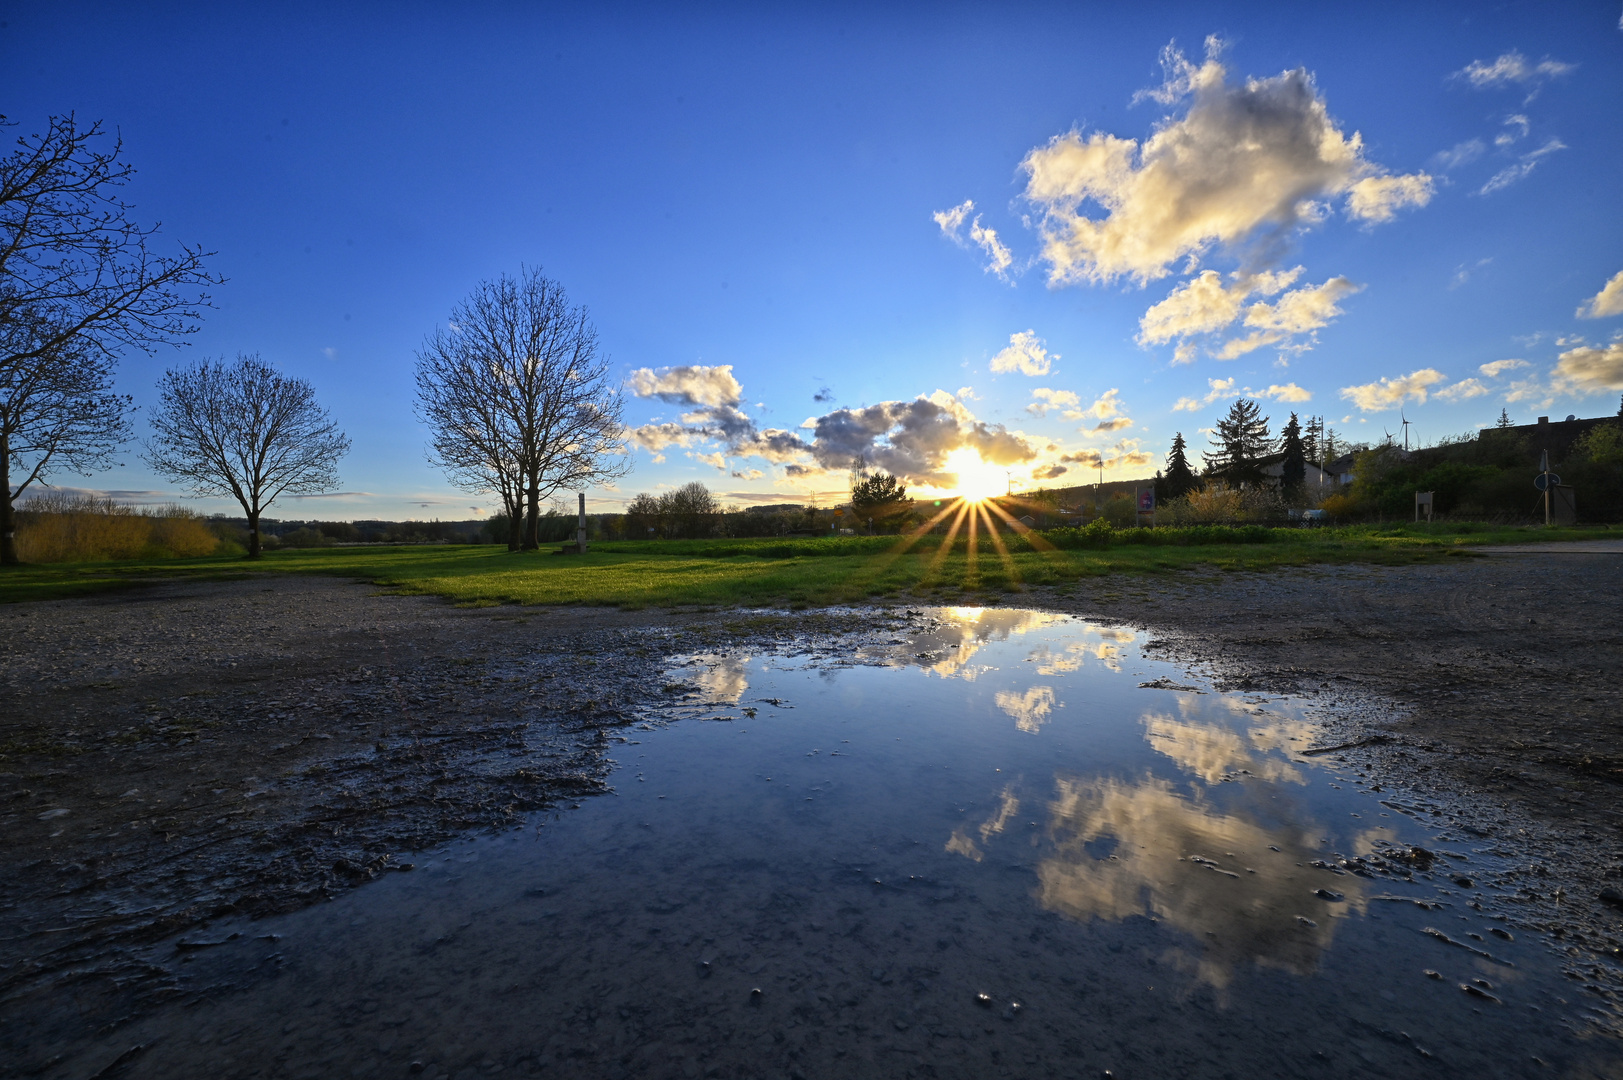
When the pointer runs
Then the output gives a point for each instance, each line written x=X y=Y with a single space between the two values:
x=723 y=677
x=1030 y=709
x=962 y=844
x=1213 y=752
x=1105 y=650
x=946 y=648
x=1209 y=874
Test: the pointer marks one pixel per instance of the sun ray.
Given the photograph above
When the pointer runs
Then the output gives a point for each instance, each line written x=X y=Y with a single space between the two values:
x=972 y=569
x=1026 y=532
x=996 y=537
x=941 y=553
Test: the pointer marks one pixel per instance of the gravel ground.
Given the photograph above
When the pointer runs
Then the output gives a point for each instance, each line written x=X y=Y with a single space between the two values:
x=187 y=751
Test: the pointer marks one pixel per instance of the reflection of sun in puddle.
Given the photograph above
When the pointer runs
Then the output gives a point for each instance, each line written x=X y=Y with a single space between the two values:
x=1184 y=862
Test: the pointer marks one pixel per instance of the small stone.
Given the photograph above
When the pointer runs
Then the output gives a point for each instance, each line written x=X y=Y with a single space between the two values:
x=1464 y=882
x=417 y=1067
x=1430 y=974
x=1326 y=894
x=1499 y=933
x=984 y=1000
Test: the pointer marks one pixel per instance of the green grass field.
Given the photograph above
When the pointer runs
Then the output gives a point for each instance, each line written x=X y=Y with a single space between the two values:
x=789 y=573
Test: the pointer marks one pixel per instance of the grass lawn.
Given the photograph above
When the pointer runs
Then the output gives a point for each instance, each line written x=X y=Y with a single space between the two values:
x=786 y=573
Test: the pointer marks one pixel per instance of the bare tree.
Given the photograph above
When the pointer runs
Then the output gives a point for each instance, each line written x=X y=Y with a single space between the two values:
x=78 y=284
x=518 y=399
x=244 y=431
x=56 y=413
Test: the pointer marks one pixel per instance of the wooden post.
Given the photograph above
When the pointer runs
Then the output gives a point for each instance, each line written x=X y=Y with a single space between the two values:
x=580 y=530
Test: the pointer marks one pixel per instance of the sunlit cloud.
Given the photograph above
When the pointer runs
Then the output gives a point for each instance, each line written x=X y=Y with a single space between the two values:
x=1463 y=390
x=1222 y=388
x=1205 y=305
x=1590 y=369
x=1390 y=393
x=692 y=385
x=952 y=222
x=1607 y=302
x=1025 y=353
x=1045 y=399
x=1497 y=368
x=1243 y=163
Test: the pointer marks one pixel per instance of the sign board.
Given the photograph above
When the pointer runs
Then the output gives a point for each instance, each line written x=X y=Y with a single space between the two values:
x=1423 y=498
x=1146 y=500
x=1544 y=481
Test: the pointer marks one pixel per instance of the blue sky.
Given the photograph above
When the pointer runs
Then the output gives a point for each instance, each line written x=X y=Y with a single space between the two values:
x=780 y=191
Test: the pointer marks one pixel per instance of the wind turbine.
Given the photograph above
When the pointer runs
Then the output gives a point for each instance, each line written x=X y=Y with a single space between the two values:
x=1405 y=430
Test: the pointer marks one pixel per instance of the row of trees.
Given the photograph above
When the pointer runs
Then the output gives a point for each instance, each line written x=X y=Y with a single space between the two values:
x=515 y=391
x=1245 y=450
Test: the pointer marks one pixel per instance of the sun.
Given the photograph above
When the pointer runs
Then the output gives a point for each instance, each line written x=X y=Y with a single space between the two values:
x=977 y=479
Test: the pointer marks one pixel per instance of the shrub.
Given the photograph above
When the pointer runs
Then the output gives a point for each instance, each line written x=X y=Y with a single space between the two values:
x=62 y=527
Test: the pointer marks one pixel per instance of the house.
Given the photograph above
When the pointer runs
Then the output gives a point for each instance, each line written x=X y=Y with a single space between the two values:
x=1557 y=437
x=1317 y=478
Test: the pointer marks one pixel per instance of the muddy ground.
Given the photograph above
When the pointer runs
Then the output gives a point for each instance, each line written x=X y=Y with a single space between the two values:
x=190 y=751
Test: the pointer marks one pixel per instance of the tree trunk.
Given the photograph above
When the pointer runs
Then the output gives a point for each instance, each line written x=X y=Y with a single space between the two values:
x=253 y=534
x=8 y=519
x=532 y=516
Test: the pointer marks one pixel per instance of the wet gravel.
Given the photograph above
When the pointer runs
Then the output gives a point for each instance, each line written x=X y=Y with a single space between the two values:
x=178 y=754
x=188 y=752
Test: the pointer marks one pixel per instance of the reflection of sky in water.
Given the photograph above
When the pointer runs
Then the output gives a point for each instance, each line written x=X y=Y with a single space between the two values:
x=992 y=803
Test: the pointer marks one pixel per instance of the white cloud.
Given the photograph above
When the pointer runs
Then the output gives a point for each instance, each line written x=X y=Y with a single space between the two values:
x=1105 y=406
x=1114 y=424
x=1026 y=354
x=1463 y=390
x=1512 y=68
x=952 y=221
x=1205 y=306
x=1289 y=392
x=1219 y=388
x=1390 y=393
x=1520 y=127
x=998 y=257
x=1459 y=154
x=967 y=393
x=1379 y=198
x=1052 y=399
x=1590 y=369
x=717 y=461
x=1496 y=368
x=694 y=385
x=1530 y=390
x=1524 y=165
x=1607 y=302
x=1246 y=162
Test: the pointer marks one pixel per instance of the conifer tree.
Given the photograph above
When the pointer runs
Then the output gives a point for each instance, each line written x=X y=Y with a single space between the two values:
x=1504 y=418
x=1180 y=478
x=1294 y=466
x=1243 y=438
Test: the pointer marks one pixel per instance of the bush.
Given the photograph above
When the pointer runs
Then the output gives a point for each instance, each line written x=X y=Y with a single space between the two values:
x=60 y=527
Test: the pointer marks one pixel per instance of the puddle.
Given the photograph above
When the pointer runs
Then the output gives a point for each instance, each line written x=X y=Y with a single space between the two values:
x=1010 y=846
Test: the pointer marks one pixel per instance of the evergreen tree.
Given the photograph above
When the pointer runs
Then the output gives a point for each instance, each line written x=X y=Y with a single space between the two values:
x=1242 y=436
x=1295 y=463
x=1504 y=419
x=1313 y=439
x=1180 y=478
